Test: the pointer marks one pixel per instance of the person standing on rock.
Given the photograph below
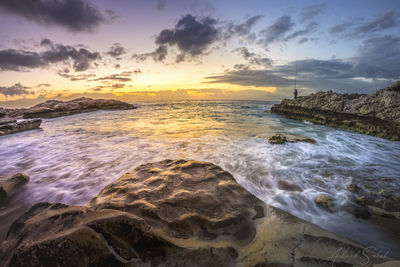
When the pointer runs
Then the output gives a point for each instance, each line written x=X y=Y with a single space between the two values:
x=295 y=93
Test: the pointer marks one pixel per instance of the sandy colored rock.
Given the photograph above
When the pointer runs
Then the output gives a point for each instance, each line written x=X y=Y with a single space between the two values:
x=288 y=186
x=324 y=201
x=281 y=139
x=174 y=213
x=376 y=114
x=9 y=184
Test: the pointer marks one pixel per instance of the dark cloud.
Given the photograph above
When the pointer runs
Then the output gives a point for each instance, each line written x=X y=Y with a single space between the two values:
x=20 y=60
x=376 y=64
x=303 y=40
x=44 y=85
x=74 y=15
x=277 y=30
x=252 y=58
x=192 y=37
x=15 y=90
x=116 y=51
x=311 y=11
x=11 y=59
x=81 y=58
x=379 y=57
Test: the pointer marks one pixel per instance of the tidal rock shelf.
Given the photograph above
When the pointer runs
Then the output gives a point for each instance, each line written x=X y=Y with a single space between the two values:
x=14 y=126
x=56 y=108
x=377 y=114
x=174 y=213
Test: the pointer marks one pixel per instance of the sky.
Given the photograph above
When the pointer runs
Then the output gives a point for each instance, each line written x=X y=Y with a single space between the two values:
x=146 y=50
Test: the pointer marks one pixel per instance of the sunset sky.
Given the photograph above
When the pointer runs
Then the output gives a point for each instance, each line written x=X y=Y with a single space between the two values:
x=194 y=49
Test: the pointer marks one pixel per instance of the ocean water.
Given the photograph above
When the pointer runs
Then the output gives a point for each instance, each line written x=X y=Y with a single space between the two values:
x=70 y=159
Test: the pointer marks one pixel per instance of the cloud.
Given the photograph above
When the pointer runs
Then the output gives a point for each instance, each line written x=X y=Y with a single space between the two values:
x=307 y=30
x=252 y=58
x=161 y=5
x=192 y=37
x=120 y=77
x=242 y=29
x=20 y=60
x=74 y=15
x=277 y=30
x=376 y=64
x=311 y=11
x=116 y=51
x=355 y=29
x=11 y=59
x=15 y=90
x=72 y=77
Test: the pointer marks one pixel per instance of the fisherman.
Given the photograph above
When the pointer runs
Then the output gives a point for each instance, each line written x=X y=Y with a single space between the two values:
x=295 y=93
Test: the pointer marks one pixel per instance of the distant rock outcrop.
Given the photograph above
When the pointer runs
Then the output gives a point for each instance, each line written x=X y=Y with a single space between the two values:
x=376 y=114
x=56 y=108
x=174 y=213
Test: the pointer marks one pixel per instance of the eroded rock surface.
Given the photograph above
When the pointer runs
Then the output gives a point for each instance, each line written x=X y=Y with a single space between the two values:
x=174 y=213
x=56 y=108
x=279 y=139
x=9 y=184
x=376 y=114
x=14 y=126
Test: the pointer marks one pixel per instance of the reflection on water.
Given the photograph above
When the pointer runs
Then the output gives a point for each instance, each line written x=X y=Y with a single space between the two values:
x=72 y=158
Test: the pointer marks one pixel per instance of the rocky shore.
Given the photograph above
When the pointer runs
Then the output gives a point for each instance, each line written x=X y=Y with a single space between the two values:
x=174 y=213
x=56 y=108
x=17 y=120
x=377 y=114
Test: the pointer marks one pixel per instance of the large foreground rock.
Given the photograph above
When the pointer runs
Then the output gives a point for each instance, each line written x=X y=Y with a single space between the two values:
x=14 y=126
x=10 y=184
x=174 y=213
x=56 y=108
x=376 y=114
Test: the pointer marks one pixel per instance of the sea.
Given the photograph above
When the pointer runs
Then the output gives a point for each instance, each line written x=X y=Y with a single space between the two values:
x=71 y=159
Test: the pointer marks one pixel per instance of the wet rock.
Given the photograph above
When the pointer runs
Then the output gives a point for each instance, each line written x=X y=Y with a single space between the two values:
x=2 y=112
x=376 y=114
x=382 y=212
x=173 y=213
x=354 y=188
x=8 y=185
x=56 y=108
x=359 y=211
x=288 y=187
x=281 y=139
x=362 y=200
x=14 y=126
x=324 y=201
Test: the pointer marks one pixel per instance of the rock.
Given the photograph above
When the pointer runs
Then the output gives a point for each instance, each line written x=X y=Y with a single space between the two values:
x=382 y=212
x=173 y=213
x=388 y=264
x=281 y=139
x=359 y=211
x=324 y=201
x=13 y=126
x=376 y=114
x=56 y=108
x=277 y=139
x=288 y=187
x=2 y=113
x=354 y=188
x=9 y=184
x=362 y=200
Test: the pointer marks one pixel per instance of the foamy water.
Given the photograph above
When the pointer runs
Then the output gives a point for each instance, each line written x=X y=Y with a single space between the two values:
x=70 y=159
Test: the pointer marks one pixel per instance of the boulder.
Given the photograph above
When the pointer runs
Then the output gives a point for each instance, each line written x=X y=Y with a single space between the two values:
x=324 y=201
x=354 y=188
x=10 y=184
x=2 y=113
x=376 y=114
x=174 y=213
x=281 y=139
x=288 y=186
x=14 y=126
